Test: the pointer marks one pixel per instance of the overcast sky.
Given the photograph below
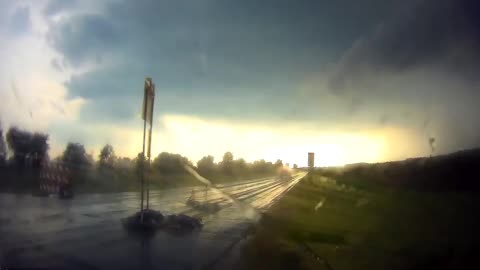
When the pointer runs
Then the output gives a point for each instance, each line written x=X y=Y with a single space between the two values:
x=353 y=81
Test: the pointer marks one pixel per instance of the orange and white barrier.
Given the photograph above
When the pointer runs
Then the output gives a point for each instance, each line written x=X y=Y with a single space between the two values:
x=53 y=175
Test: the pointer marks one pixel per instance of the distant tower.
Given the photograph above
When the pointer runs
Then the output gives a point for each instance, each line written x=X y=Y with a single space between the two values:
x=311 y=160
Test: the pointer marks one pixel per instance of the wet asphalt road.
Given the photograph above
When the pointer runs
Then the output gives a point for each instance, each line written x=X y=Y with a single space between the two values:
x=86 y=232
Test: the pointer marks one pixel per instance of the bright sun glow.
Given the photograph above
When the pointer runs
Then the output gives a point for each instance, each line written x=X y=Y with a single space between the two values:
x=333 y=150
x=196 y=137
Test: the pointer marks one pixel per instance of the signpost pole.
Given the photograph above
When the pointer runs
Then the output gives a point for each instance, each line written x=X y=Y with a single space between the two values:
x=150 y=143
x=142 y=176
x=148 y=101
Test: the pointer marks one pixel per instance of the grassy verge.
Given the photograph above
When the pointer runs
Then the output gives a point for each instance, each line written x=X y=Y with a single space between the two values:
x=368 y=228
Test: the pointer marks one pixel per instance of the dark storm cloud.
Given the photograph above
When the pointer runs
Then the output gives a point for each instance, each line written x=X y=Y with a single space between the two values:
x=112 y=110
x=55 y=6
x=444 y=34
x=222 y=42
x=420 y=65
x=233 y=58
x=83 y=38
x=20 y=21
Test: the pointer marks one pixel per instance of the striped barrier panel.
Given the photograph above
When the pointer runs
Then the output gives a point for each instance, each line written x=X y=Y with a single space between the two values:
x=53 y=176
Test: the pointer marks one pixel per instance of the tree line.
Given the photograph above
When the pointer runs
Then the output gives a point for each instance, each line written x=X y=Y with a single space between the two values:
x=31 y=149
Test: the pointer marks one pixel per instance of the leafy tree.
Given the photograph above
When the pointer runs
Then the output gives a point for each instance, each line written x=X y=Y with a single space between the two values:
x=137 y=161
x=206 y=165
x=261 y=166
x=278 y=163
x=90 y=159
x=106 y=158
x=77 y=160
x=295 y=166
x=227 y=157
x=26 y=145
x=38 y=148
x=18 y=143
x=240 y=167
x=75 y=155
x=227 y=163
x=168 y=163
x=124 y=163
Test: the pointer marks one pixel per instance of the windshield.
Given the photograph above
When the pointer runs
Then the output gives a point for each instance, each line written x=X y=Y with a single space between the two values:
x=207 y=134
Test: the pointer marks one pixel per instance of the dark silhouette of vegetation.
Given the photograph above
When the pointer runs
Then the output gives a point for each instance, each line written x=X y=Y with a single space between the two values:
x=106 y=158
x=456 y=171
x=167 y=163
x=226 y=164
x=278 y=163
x=3 y=149
x=206 y=166
x=124 y=163
x=240 y=167
x=261 y=166
x=27 y=147
x=230 y=168
x=38 y=148
x=18 y=142
x=28 y=150
x=114 y=173
x=137 y=161
x=76 y=158
x=76 y=155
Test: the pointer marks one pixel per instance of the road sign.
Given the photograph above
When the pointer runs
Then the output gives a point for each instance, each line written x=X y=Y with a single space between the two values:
x=148 y=99
x=311 y=159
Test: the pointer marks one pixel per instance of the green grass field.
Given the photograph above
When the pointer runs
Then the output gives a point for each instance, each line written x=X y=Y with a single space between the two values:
x=368 y=228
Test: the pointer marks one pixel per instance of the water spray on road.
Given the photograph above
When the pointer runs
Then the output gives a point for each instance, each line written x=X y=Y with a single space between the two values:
x=248 y=210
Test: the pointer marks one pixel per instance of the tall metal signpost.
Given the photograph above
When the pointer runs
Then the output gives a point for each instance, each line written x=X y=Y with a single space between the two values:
x=147 y=116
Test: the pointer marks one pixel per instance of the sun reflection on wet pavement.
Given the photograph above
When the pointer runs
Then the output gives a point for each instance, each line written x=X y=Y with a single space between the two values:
x=86 y=232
